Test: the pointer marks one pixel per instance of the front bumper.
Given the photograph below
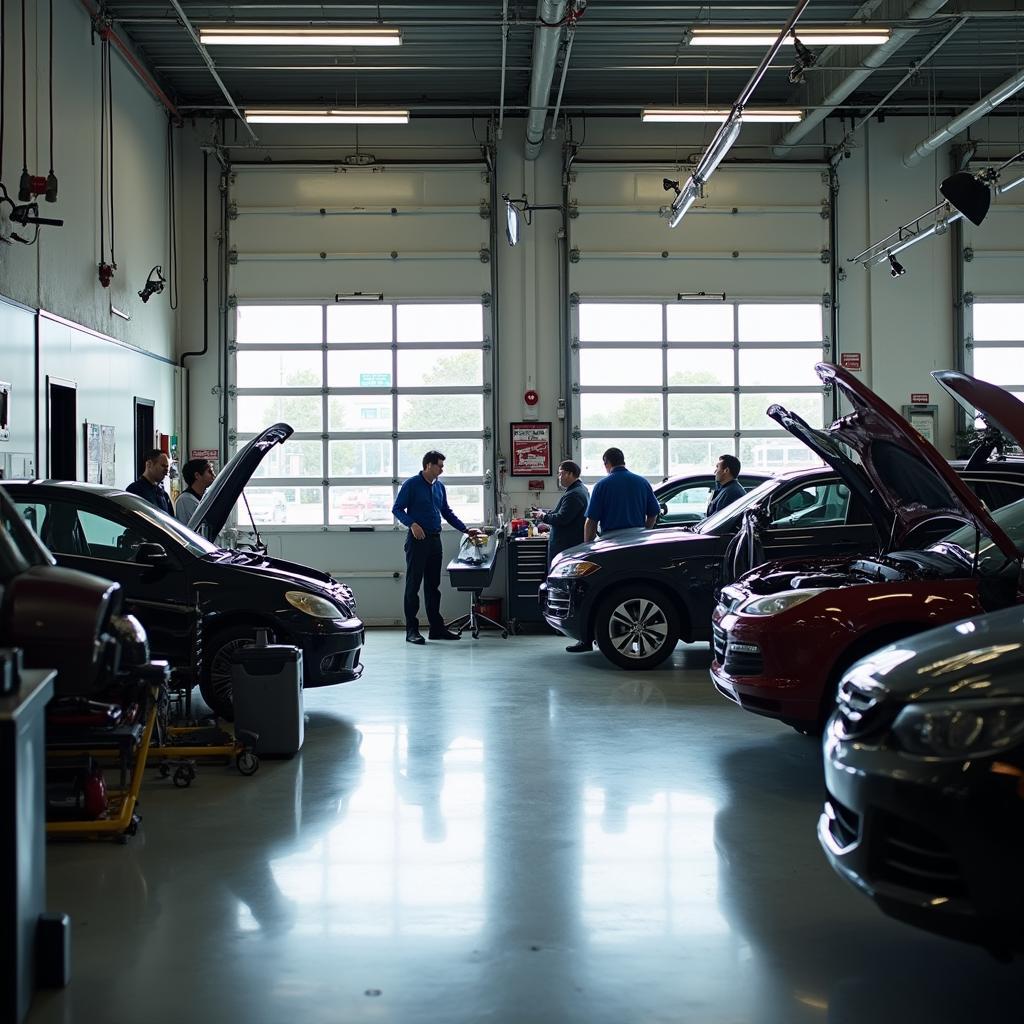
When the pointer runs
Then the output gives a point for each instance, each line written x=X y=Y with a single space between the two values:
x=560 y=604
x=935 y=844
x=331 y=651
x=742 y=671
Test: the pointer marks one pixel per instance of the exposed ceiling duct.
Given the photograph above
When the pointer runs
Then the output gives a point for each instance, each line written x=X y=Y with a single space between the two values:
x=984 y=106
x=874 y=60
x=546 y=36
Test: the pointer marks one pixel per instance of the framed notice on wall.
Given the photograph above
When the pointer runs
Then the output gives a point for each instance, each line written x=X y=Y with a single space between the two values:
x=531 y=449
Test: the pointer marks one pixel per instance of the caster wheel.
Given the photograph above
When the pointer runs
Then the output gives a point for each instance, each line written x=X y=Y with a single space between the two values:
x=183 y=778
x=504 y=634
x=164 y=771
x=133 y=827
x=247 y=762
x=476 y=634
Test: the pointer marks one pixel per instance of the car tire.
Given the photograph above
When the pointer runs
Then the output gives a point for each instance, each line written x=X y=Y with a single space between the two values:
x=215 y=685
x=637 y=627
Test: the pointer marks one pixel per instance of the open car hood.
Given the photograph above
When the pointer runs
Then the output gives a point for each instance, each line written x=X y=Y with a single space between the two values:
x=1000 y=409
x=910 y=480
x=220 y=497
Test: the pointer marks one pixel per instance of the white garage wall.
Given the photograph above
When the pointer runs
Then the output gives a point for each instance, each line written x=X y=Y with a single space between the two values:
x=58 y=274
x=902 y=328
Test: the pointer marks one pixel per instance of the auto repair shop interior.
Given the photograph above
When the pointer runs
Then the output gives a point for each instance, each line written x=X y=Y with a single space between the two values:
x=781 y=779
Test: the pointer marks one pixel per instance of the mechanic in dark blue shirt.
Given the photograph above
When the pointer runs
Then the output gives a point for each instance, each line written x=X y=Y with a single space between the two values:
x=621 y=500
x=420 y=504
x=727 y=487
x=150 y=486
x=565 y=520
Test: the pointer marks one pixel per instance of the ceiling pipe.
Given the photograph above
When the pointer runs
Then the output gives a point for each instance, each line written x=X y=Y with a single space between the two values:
x=984 y=106
x=504 y=51
x=208 y=60
x=875 y=59
x=546 y=37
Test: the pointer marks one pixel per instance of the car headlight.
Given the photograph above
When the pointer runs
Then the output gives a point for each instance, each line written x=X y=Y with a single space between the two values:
x=960 y=729
x=772 y=604
x=310 y=604
x=570 y=569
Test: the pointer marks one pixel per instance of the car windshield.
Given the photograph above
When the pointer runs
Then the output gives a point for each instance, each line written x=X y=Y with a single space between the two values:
x=990 y=558
x=725 y=519
x=21 y=538
x=195 y=544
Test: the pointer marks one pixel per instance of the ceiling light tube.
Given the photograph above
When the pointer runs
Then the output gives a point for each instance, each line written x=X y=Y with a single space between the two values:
x=285 y=35
x=709 y=115
x=723 y=35
x=354 y=116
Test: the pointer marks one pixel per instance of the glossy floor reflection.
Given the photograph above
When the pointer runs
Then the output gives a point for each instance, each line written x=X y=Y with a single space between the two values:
x=498 y=831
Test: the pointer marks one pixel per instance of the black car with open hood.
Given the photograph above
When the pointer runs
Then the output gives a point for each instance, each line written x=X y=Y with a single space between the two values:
x=199 y=602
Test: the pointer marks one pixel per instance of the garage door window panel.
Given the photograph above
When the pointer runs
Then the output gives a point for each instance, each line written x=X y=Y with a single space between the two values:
x=785 y=367
x=254 y=413
x=439 y=322
x=279 y=369
x=754 y=406
x=434 y=412
x=370 y=505
x=705 y=411
x=775 y=454
x=293 y=458
x=696 y=454
x=464 y=456
x=360 y=368
x=440 y=367
x=360 y=413
x=620 y=367
x=279 y=325
x=701 y=367
x=282 y=506
x=361 y=458
x=765 y=321
x=352 y=323
x=688 y=321
x=620 y=322
x=643 y=456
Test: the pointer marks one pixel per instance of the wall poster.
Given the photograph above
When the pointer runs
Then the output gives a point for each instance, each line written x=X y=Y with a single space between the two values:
x=99 y=454
x=531 y=449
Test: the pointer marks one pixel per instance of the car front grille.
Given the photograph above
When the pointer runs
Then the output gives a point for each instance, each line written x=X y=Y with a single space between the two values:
x=909 y=855
x=843 y=823
x=557 y=602
x=718 y=641
x=863 y=706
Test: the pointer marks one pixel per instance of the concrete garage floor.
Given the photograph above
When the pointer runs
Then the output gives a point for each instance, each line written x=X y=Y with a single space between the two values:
x=498 y=831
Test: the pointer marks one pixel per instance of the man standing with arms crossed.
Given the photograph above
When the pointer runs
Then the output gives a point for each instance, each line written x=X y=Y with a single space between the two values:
x=421 y=502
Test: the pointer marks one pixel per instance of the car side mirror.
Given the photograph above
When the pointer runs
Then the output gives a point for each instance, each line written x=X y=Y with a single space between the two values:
x=664 y=508
x=151 y=554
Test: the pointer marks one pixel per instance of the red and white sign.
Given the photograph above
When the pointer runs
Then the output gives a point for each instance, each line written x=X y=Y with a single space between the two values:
x=919 y=398
x=850 y=360
x=536 y=485
x=531 y=449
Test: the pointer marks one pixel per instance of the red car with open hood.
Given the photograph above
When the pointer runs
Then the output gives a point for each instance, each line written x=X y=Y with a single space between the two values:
x=785 y=632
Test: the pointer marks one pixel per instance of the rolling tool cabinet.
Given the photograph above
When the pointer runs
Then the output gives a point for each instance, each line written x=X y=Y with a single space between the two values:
x=527 y=569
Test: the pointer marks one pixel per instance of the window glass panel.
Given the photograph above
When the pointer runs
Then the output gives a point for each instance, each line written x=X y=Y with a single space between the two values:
x=103 y=537
x=442 y=367
x=293 y=458
x=467 y=502
x=354 y=369
x=701 y=412
x=440 y=412
x=696 y=454
x=611 y=321
x=620 y=366
x=348 y=323
x=464 y=456
x=282 y=506
x=1001 y=366
x=257 y=412
x=620 y=412
x=813 y=505
x=774 y=454
x=360 y=458
x=688 y=505
x=786 y=366
x=643 y=455
x=279 y=369
x=752 y=409
x=441 y=322
x=700 y=366
x=764 y=321
x=688 y=322
x=359 y=412
x=370 y=505
x=998 y=321
x=279 y=325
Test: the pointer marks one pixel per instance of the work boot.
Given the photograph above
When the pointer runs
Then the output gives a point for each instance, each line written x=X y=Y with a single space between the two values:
x=414 y=638
x=442 y=633
x=580 y=648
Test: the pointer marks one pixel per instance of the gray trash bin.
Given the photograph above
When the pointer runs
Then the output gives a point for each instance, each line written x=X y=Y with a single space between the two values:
x=266 y=684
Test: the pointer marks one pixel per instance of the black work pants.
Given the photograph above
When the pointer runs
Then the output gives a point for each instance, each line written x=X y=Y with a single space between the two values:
x=423 y=567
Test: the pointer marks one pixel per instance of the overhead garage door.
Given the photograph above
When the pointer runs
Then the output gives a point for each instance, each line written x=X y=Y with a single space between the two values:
x=676 y=378
x=362 y=317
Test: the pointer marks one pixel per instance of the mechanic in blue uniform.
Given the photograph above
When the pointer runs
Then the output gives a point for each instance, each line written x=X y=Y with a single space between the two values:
x=621 y=501
x=727 y=488
x=149 y=486
x=564 y=523
x=420 y=504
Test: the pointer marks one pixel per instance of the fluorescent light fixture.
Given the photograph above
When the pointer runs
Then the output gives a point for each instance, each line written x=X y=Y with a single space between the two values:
x=353 y=116
x=285 y=35
x=724 y=35
x=707 y=115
